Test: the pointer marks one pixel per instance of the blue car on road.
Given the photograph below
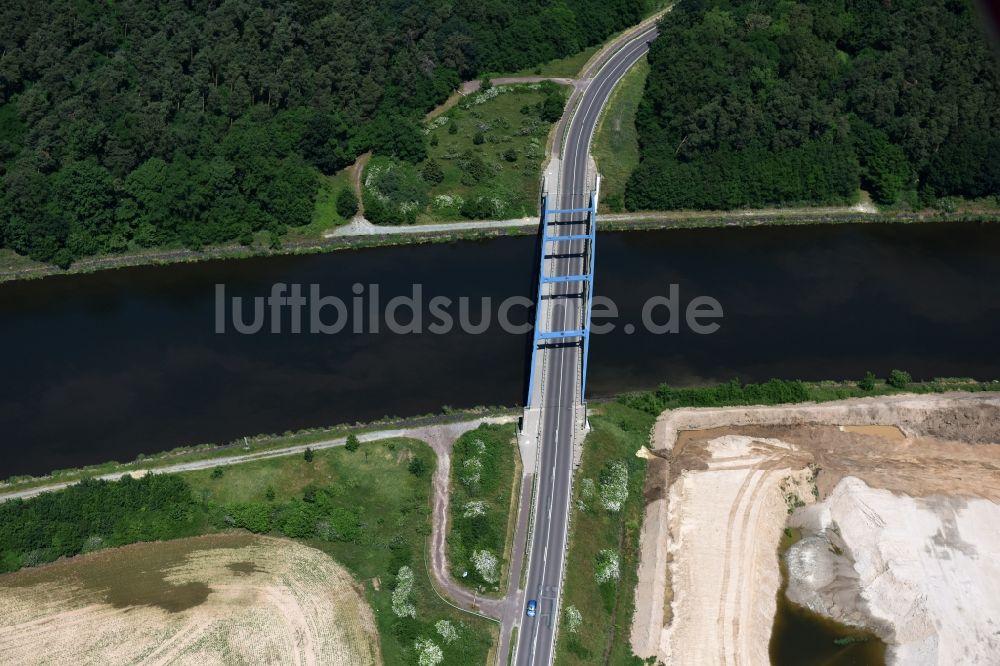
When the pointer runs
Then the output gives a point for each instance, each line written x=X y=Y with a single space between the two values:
x=532 y=607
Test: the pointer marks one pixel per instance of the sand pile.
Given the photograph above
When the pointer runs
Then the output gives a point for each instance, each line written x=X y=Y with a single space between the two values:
x=925 y=571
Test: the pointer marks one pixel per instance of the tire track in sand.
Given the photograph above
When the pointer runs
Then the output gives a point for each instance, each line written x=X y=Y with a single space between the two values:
x=751 y=478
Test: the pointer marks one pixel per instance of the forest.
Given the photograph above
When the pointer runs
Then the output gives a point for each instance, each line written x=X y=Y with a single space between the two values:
x=139 y=124
x=777 y=102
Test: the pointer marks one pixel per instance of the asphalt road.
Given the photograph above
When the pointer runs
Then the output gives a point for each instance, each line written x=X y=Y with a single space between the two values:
x=560 y=397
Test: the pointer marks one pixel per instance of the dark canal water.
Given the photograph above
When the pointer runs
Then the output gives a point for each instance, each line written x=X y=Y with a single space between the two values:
x=107 y=366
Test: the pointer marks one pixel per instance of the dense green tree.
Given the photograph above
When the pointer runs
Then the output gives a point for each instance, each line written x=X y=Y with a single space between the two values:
x=552 y=107
x=867 y=382
x=899 y=379
x=743 y=91
x=433 y=173
x=140 y=123
x=417 y=466
x=347 y=203
x=352 y=443
x=326 y=142
x=885 y=171
x=969 y=165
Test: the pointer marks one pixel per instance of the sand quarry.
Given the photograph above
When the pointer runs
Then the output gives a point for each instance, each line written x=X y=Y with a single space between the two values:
x=222 y=599
x=899 y=502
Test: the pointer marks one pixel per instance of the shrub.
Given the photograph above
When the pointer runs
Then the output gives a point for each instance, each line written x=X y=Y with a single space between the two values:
x=255 y=516
x=352 y=443
x=607 y=566
x=573 y=619
x=428 y=652
x=899 y=379
x=446 y=630
x=417 y=466
x=61 y=524
x=298 y=520
x=614 y=486
x=487 y=565
x=867 y=383
x=308 y=455
x=394 y=192
x=432 y=172
x=773 y=392
x=347 y=203
x=401 y=604
x=552 y=107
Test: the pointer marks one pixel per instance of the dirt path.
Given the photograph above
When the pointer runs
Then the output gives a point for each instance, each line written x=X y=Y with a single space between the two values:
x=441 y=439
x=357 y=174
x=721 y=484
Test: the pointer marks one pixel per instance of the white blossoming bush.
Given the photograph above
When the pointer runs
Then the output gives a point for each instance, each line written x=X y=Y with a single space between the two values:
x=472 y=473
x=372 y=175
x=474 y=509
x=401 y=604
x=440 y=121
x=487 y=565
x=445 y=201
x=484 y=96
x=614 y=486
x=607 y=566
x=498 y=205
x=446 y=630
x=587 y=491
x=573 y=619
x=533 y=150
x=428 y=652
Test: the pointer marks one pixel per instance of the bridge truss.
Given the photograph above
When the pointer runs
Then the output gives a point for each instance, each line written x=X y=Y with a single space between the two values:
x=555 y=217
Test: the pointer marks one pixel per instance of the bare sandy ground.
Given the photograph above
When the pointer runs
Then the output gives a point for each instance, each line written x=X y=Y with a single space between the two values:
x=719 y=493
x=210 y=600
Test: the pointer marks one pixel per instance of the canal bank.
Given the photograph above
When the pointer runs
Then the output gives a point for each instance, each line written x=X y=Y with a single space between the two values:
x=16 y=268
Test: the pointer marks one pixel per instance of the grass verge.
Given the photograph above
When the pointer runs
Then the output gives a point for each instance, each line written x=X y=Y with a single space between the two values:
x=616 y=141
x=483 y=470
x=602 y=524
